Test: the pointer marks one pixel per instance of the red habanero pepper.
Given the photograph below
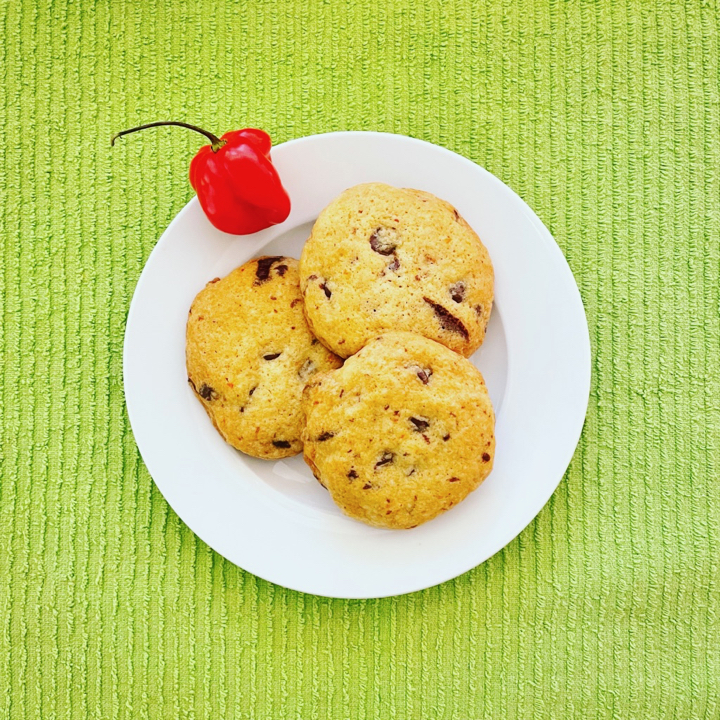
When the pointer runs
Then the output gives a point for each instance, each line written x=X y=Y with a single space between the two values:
x=236 y=183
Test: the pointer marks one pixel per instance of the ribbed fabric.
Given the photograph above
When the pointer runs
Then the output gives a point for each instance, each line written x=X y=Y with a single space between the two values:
x=605 y=117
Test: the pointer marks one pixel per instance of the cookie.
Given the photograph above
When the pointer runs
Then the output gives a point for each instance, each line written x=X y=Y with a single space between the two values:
x=401 y=433
x=249 y=354
x=382 y=258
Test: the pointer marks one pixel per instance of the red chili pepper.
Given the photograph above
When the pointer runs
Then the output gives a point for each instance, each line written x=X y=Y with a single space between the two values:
x=236 y=183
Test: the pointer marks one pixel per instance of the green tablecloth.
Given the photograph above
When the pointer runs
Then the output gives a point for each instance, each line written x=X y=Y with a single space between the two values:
x=605 y=117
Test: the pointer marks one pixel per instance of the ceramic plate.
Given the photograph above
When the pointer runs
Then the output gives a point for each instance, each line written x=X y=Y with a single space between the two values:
x=272 y=518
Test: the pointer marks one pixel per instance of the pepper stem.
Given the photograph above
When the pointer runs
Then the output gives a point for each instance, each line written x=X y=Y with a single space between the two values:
x=216 y=142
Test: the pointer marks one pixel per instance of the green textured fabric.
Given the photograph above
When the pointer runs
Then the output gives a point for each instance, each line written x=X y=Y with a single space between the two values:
x=605 y=117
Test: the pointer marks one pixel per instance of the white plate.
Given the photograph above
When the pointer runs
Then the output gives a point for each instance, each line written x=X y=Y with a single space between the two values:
x=271 y=517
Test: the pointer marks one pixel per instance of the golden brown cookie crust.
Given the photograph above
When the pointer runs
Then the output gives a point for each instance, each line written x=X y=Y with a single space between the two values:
x=249 y=353
x=382 y=258
x=401 y=433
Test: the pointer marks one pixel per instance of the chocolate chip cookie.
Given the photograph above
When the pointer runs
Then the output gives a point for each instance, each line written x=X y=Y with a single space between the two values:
x=383 y=258
x=401 y=433
x=249 y=354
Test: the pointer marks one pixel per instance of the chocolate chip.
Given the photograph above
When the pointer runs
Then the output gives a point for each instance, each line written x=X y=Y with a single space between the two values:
x=479 y=310
x=352 y=474
x=394 y=265
x=252 y=390
x=315 y=341
x=383 y=240
x=326 y=290
x=281 y=444
x=412 y=472
x=485 y=457
x=454 y=479
x=457 y=291
x=325 y=436
x=262 y=272
x=272 y=356
x=447 y=320
x=426 y=438
x=206 y=392
x=281 y=270
x=446 y=437
x=420 y=424
x=386 y=459
x=295 y=302
x=422 y=373
x=367 y=486
x=306 y=370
